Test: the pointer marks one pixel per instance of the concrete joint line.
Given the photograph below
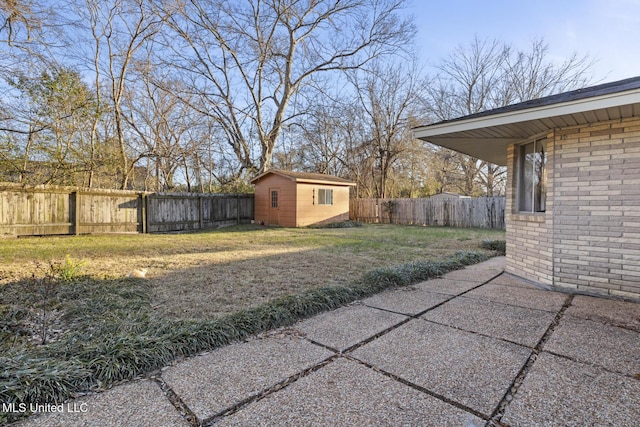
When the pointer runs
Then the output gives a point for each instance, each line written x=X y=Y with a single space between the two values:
x=594 y=365
x=319 y=344
x=498 y=413
x=481 y=284
x=480 y=334
x=422 y=313
x=409 y=317
x=376 y=336
x=176 y=401
x=419 y=388
x=388 y=311
x=266 y=392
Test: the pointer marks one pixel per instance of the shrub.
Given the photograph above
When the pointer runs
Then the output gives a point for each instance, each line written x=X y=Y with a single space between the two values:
x=338 y=224
x=499 y=246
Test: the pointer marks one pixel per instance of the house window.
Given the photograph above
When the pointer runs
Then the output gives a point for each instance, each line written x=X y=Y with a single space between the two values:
x=325 y=196
x=274 y=199
x=532 y=176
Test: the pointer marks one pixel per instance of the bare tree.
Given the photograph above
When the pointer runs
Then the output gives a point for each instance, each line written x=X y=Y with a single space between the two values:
x=249 y=58
x=388 y=96
x=22 y=23
x=128 y=27
x=489 y=74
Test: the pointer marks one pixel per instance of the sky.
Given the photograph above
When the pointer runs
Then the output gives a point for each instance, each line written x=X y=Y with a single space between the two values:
x=607 y=30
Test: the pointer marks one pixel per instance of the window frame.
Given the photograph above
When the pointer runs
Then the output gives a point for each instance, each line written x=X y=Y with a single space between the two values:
x=532 y=191
x=325 y=196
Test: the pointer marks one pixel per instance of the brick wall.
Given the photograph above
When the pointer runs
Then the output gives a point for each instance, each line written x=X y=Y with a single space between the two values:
x=588 y=240
x=596 y=246
x=529 y=236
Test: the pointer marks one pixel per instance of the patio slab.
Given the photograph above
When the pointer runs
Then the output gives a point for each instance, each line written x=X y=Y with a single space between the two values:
x=346 y=393
x=446 y=286
x=342 y=328
x=213 y=382
x=510 y=280
x=617 y=313
x=537 y=299
x=560 y=392
x=471 y=369
x=409 y=300
x=588 y=341
x=138 y=403
x=478 y=273
x=517 y=324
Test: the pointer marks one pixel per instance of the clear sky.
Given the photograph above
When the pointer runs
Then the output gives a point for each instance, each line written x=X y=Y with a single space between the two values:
x=607 y=30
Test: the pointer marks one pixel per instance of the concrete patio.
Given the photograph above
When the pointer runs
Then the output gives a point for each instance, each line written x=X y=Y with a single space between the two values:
x=477 y=347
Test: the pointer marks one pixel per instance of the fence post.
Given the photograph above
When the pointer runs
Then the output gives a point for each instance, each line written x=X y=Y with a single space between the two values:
x=200 y=219
x=142 y=210
x=76 y=212
x=238 y=209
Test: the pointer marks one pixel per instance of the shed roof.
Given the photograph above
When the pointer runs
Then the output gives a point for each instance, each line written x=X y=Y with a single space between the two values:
x=486 y=135
x=305 y=177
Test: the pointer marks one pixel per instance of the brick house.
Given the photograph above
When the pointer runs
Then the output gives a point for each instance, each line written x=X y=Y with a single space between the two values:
x=298 y=199
x=573 y=192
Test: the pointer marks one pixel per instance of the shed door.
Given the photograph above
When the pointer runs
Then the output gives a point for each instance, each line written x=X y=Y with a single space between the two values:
x=274 y=206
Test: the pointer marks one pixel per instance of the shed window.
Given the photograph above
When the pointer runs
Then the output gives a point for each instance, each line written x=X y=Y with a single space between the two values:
x=532 y=176
x=325 y=196
x=274 y=199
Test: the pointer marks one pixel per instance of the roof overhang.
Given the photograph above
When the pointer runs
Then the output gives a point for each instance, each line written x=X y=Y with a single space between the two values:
x=324 y=182
x=487 y=135
x=303 y=178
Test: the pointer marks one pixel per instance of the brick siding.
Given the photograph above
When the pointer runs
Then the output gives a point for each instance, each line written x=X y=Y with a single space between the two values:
x=588 y=240
x=529 y=236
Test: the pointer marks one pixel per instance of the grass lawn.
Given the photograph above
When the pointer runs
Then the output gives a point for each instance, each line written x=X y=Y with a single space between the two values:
x=199 y=288
x=208 y=274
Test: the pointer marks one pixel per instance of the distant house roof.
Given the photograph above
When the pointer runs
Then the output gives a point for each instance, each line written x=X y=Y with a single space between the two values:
x=448 y=195
x=305 y=177
x=486 y=135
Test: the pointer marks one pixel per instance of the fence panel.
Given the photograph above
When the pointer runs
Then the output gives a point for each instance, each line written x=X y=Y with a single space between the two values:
x=106 y=212
x=34 y=212
x=48 y=210
x=481 y=212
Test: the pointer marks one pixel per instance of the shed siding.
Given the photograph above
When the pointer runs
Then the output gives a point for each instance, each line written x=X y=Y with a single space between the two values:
x=286 y=201
x=310 y=212
x=298 y=201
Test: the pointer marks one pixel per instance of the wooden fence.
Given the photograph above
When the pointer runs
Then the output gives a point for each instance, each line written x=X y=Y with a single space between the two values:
x=48 y=210
x=481 y=212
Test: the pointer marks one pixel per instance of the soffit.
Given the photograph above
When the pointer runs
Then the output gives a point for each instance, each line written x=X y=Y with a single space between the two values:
x=487 y=135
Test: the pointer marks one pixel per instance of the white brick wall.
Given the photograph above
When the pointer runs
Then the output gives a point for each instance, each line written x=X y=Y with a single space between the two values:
x=589 y=238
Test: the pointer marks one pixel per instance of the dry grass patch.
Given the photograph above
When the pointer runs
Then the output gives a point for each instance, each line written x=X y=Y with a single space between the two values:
x=206 y=275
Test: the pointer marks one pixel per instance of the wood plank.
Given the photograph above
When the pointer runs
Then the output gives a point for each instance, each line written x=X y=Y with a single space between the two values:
x=38 y=210
x=481 y=212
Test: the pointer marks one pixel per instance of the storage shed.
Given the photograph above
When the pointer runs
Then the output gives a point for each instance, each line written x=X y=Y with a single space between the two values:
x=573 y=191
x=298 y=199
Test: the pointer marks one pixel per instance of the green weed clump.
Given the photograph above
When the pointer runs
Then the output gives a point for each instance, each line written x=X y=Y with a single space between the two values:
x=67 y=270
x=406 y=274
x=499 y=246
x=338 y=224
